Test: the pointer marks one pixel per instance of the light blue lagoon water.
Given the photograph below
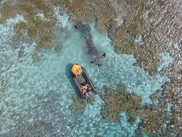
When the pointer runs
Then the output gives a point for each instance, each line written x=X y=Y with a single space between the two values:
x=35 y=96
x=166 y=60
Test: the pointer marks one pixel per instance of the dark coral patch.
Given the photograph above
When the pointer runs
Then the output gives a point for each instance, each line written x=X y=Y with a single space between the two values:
x=155 y=120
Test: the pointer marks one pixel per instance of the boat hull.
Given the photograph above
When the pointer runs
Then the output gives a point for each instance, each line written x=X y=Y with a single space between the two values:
x=88 y=82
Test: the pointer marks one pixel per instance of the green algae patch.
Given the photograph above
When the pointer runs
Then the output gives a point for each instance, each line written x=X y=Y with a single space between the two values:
x=153 y=117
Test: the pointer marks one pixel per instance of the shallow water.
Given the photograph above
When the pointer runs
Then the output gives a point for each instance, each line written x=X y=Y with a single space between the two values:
x=36 y=95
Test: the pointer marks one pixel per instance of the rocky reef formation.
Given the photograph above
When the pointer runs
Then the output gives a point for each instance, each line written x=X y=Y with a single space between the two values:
x=155 y=118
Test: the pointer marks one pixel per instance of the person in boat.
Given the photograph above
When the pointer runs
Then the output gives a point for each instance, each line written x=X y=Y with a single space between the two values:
x=85 y=31
x=87 y=90
x=84 y=90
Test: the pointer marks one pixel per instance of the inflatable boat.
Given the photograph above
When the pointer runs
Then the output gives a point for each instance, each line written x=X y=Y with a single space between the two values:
x=82 y=81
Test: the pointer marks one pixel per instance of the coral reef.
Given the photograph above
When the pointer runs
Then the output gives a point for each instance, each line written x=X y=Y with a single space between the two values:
x=155 y=120
x=117 y=102
x=153 y=28
x=172 y=96
x=132 y=32
x=39 y=17
x=90 y=100
x=128 y=38
x=138 y=34
x=144 y=32
x=79 y=105
x=86 y=10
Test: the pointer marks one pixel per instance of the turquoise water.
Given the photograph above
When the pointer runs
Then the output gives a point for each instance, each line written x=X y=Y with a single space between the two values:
x=35 y=96
x=166 y=60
